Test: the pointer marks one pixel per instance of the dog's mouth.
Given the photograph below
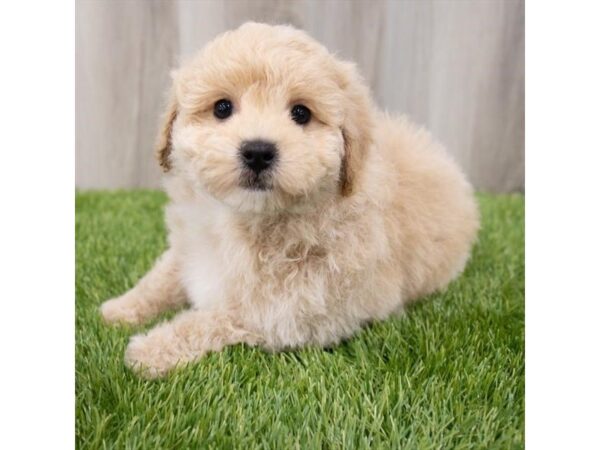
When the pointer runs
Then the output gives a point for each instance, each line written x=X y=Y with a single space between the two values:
x=256 y=182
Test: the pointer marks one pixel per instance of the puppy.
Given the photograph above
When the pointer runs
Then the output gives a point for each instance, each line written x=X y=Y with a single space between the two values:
x=298 y=212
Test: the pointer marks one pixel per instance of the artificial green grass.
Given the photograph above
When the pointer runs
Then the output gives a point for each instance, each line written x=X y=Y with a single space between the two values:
x=447 y=375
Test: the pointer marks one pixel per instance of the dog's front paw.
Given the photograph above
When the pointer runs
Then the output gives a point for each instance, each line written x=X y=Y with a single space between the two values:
x=154 y=354
x=120 y=310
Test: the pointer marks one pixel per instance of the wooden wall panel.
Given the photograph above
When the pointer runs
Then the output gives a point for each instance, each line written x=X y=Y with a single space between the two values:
x=455 y=66
x=124 y=51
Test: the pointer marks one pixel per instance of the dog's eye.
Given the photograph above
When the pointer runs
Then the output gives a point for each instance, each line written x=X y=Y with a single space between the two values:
x=223 y=109
x=300 y=114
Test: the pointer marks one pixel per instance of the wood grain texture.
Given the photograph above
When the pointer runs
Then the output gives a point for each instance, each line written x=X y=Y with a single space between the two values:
x=456 y=66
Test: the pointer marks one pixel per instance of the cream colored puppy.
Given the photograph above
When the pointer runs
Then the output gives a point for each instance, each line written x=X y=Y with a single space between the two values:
x=298 y=212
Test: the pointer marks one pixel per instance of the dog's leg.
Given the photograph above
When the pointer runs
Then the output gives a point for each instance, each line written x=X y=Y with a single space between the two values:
x=186 y=338
x=159 y=290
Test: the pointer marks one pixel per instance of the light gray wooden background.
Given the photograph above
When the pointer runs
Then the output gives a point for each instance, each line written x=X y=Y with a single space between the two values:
x=456 y=66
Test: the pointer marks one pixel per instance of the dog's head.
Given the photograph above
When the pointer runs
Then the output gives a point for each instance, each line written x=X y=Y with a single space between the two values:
x=265 y=118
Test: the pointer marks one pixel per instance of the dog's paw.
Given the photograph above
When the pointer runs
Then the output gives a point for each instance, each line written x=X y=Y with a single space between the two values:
x=154 y=354
x=120 y=311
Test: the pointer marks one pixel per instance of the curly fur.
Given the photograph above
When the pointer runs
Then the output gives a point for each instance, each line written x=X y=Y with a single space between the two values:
x=366 y=212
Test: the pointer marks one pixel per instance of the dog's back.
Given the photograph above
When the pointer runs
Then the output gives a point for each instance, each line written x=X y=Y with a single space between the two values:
x=432 y=216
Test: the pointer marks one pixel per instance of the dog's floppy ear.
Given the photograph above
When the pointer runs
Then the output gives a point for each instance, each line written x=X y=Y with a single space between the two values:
x=163 y=141
x=356 y=128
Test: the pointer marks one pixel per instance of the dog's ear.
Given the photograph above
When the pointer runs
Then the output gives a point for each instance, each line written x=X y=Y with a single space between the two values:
x=356 y=128
x=163 y=141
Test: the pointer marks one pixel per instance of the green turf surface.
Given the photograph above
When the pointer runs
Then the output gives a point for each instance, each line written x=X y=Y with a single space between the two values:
x=448 y=375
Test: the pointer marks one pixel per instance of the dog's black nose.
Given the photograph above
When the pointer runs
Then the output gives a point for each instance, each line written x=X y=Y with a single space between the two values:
x=258 y=155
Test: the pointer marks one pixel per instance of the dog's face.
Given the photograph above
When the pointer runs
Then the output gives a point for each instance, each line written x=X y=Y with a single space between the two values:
x=265 y=118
